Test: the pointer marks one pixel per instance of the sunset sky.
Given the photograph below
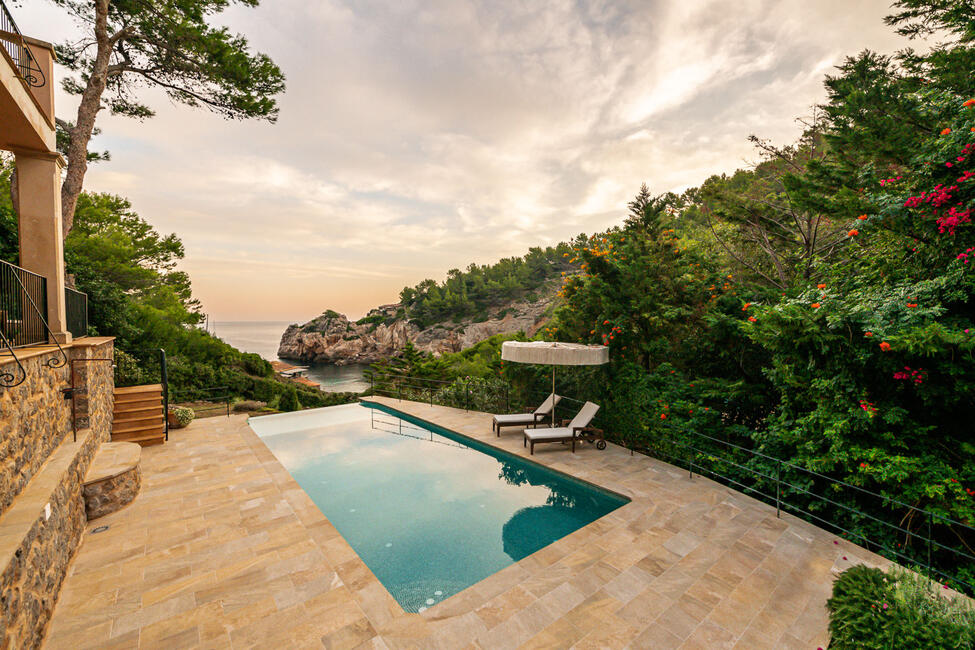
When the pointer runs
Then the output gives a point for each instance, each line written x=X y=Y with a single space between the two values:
x=420 y=136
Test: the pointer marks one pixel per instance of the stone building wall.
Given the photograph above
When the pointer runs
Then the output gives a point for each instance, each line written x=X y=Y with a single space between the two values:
x=35 y=419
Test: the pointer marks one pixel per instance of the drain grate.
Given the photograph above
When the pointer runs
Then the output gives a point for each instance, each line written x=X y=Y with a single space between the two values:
x=99 y=529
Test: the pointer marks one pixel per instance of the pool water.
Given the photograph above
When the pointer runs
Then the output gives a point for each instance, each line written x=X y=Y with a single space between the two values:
x=430 y=512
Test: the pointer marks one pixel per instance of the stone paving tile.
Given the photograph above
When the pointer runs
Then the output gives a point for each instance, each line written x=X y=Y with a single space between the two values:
x=222 y=549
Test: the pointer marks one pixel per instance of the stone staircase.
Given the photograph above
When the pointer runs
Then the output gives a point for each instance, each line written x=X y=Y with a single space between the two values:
x=139 y=416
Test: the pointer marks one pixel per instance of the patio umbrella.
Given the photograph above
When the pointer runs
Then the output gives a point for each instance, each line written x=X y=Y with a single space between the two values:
x=554 y=354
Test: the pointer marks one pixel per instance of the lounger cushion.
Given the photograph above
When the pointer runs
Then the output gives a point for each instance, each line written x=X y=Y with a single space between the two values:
x=515 y=418
x=549 y=434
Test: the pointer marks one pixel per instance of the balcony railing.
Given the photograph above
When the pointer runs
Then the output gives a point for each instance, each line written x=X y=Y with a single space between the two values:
x=23 y=306
x=13 y=43
x=76 y=312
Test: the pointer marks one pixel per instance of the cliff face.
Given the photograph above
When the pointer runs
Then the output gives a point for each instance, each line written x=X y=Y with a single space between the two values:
x=332 y=338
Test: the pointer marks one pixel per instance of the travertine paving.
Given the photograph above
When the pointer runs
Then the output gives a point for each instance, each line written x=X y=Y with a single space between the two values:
x=223 y=549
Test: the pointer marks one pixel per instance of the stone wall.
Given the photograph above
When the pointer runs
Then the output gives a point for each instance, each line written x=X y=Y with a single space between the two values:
x=35 y=420
x=111 y=494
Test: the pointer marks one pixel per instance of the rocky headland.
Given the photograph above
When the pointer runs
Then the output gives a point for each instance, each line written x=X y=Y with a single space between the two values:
x=384 y=332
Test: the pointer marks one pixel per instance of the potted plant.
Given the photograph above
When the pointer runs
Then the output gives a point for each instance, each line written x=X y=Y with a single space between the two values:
x=180 y=416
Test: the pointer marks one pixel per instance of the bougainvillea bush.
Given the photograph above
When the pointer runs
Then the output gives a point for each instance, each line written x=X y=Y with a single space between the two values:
x=874 y=366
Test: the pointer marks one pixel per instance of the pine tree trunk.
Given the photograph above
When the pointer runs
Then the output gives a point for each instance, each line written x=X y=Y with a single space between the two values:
x=85 y=124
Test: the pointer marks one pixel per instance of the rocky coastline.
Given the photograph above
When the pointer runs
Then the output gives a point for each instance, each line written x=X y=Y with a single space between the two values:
x=332 y=338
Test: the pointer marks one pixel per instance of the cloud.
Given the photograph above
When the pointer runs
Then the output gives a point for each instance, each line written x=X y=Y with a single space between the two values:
x=421 y=136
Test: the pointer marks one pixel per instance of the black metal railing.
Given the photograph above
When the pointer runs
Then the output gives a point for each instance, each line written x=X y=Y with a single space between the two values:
x=23 y=306
x=929 y=541
x=468 y=393
x=204 y=400
x=76 y=312
x=12 y=41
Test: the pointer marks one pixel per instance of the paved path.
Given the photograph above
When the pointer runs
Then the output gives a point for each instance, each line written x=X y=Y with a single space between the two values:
x=223 y=549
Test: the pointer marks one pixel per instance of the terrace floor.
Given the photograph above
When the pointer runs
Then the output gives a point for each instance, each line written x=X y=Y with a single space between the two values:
x=223 y=549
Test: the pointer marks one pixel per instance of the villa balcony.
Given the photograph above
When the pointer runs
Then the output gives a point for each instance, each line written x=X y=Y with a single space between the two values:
x=26 y=89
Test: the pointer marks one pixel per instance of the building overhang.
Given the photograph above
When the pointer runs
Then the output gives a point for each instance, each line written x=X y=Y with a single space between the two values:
x=24 y=124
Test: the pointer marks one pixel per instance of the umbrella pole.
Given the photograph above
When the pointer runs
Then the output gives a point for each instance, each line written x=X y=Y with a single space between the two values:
x=553 y=396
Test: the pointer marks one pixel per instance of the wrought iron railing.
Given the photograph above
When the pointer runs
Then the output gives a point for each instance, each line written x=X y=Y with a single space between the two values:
x=23 y=320
x=14 y=45
x=23 y=306
x=76 y=312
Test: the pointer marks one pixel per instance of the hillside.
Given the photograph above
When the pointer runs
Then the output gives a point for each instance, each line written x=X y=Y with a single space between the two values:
x=333 y=338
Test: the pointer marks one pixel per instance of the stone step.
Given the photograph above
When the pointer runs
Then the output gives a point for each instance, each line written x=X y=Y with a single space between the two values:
x=113 y=478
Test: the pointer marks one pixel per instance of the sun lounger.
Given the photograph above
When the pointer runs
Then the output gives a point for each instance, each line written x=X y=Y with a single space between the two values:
x=576 y=429
x=523 y=419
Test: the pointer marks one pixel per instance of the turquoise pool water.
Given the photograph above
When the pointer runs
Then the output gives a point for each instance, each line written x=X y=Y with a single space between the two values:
x=429 y=512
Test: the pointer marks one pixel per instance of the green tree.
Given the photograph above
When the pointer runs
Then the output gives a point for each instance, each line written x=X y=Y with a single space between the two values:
x=167 y=44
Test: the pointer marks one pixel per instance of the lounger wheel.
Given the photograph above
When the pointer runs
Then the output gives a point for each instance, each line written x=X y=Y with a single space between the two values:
x=600 y=445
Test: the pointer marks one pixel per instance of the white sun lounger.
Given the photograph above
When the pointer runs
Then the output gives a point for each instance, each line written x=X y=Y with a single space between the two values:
x=578 y=429
x=522 y=419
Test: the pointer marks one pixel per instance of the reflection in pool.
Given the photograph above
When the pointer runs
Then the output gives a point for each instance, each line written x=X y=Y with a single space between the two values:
x=429 y=512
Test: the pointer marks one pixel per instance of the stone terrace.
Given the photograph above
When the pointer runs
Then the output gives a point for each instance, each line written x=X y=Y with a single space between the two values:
x=223 y=549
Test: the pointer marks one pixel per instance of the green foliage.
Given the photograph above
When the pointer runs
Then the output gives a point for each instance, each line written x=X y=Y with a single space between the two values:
x=9 y=250
x=214 y=68
x=471 y=293
x=289 y=400
x=871 y=609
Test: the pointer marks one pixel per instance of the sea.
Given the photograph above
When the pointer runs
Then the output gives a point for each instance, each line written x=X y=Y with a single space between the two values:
x=263 y=337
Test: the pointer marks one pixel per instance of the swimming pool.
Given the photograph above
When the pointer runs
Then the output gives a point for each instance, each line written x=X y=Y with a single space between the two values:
x=429 y=511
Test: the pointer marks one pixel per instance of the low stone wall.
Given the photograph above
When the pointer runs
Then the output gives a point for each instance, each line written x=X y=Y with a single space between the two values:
x=108 y=495
x=41 y=466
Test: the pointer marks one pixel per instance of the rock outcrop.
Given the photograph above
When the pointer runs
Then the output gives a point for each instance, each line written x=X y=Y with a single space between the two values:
x=332 y=338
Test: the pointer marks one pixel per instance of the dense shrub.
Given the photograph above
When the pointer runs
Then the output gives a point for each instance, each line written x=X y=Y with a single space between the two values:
x=871 y=609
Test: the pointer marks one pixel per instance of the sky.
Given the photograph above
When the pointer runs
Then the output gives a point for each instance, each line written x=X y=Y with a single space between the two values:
x=418 y=136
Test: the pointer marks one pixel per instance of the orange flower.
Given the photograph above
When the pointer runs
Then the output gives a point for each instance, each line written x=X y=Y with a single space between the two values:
x=970 y=102
x=972 y=129
x=747 y=305
x=816 y=305
x=945 y=131
x=853 y=233
x=862 y=217
x=663 y=416
x=885 y=346
x=868 y=334
x=751 y=319
x=912 y=305
x=820 y=286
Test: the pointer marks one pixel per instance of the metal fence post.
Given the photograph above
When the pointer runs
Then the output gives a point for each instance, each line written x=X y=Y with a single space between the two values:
x=930 y=518
x=778 y=487
x=164 y=377
x=467 y=396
